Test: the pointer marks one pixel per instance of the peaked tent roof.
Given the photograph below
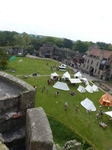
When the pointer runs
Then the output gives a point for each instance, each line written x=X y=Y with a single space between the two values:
x=95 y=88
x=78 y=75
x=54 y=75
x=66 y=75
x=81 y=89
x=106 y=100
x=86 y=103
x=61 y=86
x=108 y=113
x=89 y=89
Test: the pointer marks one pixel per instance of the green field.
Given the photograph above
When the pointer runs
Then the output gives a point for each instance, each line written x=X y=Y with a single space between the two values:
x=67 y=122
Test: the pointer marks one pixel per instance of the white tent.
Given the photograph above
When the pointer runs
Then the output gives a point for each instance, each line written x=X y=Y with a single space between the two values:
x=84 y=80
x=81 y=89
x=78 y=75
x=54 y=75
x=89 y=89
x=72 y=80
x=61 y=86
x=95 y=88
x=62 y=67
x=66 y=75
x=87 y=104
x=109 y=113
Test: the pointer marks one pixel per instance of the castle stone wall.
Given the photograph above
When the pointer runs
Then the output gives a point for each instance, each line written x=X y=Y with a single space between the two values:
x=38 y=131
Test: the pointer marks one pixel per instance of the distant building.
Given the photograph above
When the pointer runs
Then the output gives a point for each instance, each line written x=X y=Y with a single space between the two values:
x=97 y=62
x=54 y=52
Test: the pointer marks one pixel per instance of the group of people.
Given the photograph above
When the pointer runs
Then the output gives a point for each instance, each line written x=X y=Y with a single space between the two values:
x=66 y=106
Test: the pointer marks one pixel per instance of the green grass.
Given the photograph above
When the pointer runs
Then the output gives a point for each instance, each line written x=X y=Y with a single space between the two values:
x=83 y=124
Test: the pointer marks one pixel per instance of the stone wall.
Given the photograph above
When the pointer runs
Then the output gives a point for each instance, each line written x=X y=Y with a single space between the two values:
x=16 y=96
x=38 y=131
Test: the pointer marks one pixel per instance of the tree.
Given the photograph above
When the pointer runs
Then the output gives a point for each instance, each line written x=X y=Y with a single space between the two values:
x=3 y=58
x=18 y=40
x=68 y=43
x=81 y=46
x=110 y=47
x=26 y=39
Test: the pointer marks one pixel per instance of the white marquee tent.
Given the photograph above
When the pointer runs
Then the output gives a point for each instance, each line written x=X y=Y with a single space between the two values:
x=95 y=88
x=54 y=75
x=84 y=80
x=108 y=113
x=66 y=75
x=61 y=86
x=89 y=89
x=81 y=89
x=88 y=104
x=78 y=75
x=72 y=80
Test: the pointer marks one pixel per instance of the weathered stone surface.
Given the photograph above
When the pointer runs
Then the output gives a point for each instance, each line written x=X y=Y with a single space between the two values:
x=3 y=147
x=16 y=96
x=38 y=131
x=72 y=145
x=1 y=139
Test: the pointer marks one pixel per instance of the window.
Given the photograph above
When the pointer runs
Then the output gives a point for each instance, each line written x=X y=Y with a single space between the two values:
x=91 y=62
x=97 y=64
x=88 y=61
x=87 y=67
x=98 y=72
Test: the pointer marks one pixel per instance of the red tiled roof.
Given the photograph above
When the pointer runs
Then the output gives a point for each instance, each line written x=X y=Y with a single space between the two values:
x=96 y=52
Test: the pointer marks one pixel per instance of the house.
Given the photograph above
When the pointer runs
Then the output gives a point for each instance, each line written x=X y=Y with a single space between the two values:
x=97 y=62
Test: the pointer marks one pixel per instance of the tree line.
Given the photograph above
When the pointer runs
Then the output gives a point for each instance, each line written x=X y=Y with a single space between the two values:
x=33 y=42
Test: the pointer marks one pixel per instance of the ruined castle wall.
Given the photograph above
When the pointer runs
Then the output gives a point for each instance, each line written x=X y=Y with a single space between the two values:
x=17 y=96
x=38 y=131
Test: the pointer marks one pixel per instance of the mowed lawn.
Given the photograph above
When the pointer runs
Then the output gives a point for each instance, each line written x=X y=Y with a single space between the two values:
x=84 y=124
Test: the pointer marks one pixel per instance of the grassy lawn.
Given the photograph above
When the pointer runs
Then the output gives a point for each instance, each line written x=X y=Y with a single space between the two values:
x=82 y=123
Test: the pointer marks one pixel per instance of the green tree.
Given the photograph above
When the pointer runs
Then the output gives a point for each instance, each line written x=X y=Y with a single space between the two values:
x=110 y=47
x=26 y=40
x=18 y=40
x=68 y=43
x=81 y=46
x=3 y=58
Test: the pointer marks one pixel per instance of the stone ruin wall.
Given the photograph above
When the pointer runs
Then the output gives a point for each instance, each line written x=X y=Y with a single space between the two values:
x=15 y=105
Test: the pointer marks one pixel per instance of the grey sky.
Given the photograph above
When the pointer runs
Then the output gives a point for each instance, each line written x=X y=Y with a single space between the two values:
x=86 y=20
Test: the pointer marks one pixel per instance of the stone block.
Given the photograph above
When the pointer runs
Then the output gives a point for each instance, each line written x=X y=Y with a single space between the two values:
x=38 y=131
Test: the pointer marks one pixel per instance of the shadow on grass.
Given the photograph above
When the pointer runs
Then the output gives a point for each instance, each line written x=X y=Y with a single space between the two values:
x=62 y=134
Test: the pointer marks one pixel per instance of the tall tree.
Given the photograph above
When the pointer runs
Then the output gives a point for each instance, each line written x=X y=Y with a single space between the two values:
x=3 y=58
x=26 y=39
x=18 y=40
x=68 y=43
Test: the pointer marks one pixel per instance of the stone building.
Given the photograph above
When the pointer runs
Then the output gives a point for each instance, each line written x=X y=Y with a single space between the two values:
x=16 y=50
x=97 y=62
x=54 y=52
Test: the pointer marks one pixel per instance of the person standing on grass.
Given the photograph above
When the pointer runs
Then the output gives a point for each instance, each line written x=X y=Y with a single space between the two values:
x=48 y=81
x=42 y=89
x=66 y=106
x=47 y=90
x=77 y=108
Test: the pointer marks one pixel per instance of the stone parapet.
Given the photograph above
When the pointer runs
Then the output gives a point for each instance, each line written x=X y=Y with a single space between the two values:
x=38 y=131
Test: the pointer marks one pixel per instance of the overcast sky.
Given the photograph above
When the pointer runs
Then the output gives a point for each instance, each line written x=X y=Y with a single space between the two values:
x=85 y=20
